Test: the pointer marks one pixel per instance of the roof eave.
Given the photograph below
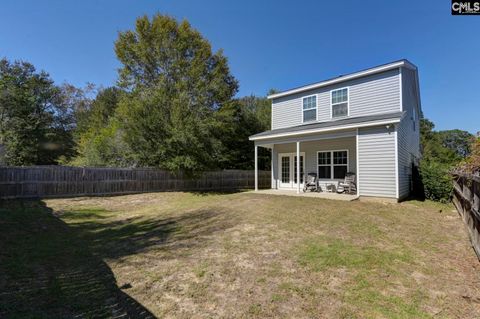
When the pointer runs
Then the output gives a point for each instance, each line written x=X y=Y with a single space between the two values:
x=390 y=66
x=327 y=129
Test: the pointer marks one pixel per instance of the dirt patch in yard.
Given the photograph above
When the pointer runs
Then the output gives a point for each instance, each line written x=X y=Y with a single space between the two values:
x=183 y=255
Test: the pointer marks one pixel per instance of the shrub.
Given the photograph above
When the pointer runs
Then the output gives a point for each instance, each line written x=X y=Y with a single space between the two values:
x=436 y=180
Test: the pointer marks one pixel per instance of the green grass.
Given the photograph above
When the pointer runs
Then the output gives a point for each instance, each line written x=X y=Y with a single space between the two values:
x=320 y=254
x=234 y=255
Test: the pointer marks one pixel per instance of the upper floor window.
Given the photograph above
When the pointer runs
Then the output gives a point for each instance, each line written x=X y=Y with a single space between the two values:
x=340 y=102
x=310 y=108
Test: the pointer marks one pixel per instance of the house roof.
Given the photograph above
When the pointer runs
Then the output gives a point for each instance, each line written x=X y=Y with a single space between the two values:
x=346 y=77
x=318 y=127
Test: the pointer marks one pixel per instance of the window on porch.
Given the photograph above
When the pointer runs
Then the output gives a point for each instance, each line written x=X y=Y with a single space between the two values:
x=332 y=164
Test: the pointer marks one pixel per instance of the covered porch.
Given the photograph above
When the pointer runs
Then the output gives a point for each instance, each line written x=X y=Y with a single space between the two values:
x=329 y=156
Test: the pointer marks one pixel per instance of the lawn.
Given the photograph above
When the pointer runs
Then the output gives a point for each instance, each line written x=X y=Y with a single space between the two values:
x=183 y=255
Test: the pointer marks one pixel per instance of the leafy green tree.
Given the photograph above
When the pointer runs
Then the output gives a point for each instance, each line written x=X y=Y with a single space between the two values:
x=104 y=146
x=432 y=145
x=457 y=141
x=441 y=152
x=174 y=85
x=100 y=140
x=104 y=107
x=237 y=121
x=35 y=122
x=471 y=164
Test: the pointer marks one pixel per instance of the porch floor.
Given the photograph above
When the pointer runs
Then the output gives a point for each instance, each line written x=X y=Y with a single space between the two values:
x=325 y=195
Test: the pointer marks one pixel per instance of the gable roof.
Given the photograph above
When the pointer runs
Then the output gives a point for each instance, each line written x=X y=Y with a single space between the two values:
x=342 y=78
x=318 y=127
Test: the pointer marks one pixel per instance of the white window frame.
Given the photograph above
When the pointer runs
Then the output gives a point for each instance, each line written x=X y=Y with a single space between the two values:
x=332 y=104
x=316 y=108
x=332 y=165
x=292 y=171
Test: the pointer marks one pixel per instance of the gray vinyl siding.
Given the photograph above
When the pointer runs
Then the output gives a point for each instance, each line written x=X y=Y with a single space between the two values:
x=408 y=133
x=374 y=94
x=376 y=154
x=311 y=148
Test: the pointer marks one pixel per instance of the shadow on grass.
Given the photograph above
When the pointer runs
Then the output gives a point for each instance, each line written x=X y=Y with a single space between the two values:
x=217 y=193
x=169 y=236
x=48 y=271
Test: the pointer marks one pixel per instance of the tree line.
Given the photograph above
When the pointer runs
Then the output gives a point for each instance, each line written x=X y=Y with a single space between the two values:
x=173 y=107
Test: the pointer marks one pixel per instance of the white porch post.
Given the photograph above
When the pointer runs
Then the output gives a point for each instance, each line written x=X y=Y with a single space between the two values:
x=256 y=168
x=271 y=168
x=298 y=167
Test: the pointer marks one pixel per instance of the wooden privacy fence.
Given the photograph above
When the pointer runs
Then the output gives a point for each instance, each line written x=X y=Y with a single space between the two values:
x=65 y=181
x=466 y=198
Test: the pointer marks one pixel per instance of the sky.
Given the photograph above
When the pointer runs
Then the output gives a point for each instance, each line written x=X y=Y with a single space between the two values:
x=269 y=44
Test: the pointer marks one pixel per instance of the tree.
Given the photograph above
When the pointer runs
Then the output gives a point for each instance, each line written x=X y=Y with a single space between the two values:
x=174 y=85
x=237 y=121
x=471 y=164
x=457 y=141
x=35 y=123
x=441 y=152
x=432 y=145
x=100 y=139
x=104 y=107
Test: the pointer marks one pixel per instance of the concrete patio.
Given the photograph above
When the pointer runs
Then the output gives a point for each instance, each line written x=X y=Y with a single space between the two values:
x=324 y=195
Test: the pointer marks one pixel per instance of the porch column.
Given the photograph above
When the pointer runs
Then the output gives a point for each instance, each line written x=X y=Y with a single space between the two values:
x=298 y=167
x=256 y=168
x=271 y=168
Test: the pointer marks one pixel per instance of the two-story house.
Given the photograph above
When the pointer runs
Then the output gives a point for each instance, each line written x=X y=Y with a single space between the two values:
x=365 y=122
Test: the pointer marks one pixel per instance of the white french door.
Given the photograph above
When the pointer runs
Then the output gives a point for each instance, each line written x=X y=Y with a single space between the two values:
x=287 y=170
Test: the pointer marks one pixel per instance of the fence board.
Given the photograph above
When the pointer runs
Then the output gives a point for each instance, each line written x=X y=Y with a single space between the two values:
x=65 y=181
x=466 y=198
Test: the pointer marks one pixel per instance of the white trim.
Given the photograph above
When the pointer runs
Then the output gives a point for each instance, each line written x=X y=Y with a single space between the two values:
x=316 y=108
x=332 y=165
x=298 y=167
x=345 y=78
x=292 y=156
x=358 y=166
x=326 y=129
x=325 y=136
x=256 y=168
x=348 y=102
x=272 y=177
x=397 y=191
x=401 y=89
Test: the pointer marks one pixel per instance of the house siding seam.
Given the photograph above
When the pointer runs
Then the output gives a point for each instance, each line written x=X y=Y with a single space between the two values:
x=374 y=94
x=376 y=156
